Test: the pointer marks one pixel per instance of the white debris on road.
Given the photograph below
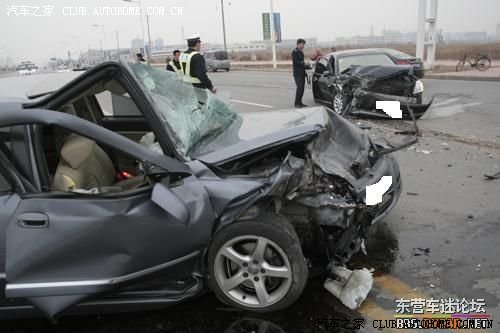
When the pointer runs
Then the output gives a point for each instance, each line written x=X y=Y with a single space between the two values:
x=350 y=287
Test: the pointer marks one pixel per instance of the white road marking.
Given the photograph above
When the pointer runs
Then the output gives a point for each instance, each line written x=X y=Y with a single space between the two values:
x=253 y=104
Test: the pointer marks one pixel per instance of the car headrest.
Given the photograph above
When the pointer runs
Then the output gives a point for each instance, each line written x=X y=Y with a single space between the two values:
x=76 y=149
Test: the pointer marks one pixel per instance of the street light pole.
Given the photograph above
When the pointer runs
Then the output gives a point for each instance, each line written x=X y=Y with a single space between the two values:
x=117 y=45
x=422 y=4
x=142 y=23
x=105 y=43
x=100 y=45
x=149 y=38
x=79 y=47
x=273 y=37
x=223 y=24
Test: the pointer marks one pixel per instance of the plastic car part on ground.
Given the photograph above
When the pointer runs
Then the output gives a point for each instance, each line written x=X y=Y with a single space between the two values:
x=350 y=287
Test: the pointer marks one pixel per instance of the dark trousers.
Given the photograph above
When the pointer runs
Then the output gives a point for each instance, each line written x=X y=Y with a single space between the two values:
x=300 y=82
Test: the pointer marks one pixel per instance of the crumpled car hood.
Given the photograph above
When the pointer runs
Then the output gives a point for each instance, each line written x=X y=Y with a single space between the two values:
x=336 y=146
x=257 y=131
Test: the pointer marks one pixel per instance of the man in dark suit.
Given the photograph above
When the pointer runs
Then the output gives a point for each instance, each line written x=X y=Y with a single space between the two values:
x=299 y=71
x=174 y=65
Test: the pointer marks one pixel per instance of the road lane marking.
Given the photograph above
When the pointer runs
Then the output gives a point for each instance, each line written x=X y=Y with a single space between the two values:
x=396 y=287
x=253 y=104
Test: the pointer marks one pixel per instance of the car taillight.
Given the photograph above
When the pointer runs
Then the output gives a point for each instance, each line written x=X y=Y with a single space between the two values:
x=403 y=62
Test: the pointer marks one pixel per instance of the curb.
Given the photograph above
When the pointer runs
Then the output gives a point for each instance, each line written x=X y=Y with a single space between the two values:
x=261 y=69
x=462 y=78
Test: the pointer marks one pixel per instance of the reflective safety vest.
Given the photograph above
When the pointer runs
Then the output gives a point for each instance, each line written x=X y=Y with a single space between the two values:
x=176 y=70
x=185 y=61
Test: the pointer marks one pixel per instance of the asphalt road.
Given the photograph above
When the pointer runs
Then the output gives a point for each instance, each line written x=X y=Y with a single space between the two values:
x=441 y=240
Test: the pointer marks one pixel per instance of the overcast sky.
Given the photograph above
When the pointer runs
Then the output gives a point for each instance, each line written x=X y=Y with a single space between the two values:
x=38 y=38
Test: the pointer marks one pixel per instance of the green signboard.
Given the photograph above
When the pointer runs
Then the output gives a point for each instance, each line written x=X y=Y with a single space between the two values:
x=266 y=26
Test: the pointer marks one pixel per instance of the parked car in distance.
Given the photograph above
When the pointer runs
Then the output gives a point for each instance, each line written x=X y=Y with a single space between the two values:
x=401 y=58
x=216 y=60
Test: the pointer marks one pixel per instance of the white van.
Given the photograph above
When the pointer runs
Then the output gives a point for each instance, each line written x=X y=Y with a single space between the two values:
x=216 y=60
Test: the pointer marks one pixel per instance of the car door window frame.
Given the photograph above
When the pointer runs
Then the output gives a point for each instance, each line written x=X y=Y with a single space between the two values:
x=172 y=168
x=16 y=181
x=47 y=185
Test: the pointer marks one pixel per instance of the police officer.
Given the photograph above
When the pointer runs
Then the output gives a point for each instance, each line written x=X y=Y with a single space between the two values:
x=174 y=65
x=299 y=71
x=193 y=65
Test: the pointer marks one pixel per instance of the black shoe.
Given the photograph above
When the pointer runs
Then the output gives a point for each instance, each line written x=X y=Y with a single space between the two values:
x=303 y=105
x=298 y=106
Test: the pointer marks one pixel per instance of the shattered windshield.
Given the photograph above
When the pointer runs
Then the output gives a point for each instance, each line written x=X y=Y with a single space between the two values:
x=194 y=117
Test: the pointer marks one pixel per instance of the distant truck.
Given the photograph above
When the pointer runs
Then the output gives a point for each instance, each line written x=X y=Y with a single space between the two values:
x=26 y=68
x=216 y=60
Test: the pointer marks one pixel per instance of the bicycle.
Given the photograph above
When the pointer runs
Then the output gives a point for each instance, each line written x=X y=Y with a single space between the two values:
x=480 y=61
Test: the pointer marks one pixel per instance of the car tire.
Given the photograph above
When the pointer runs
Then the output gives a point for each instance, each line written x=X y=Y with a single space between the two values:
x=248 y=279
x=339 y=104
x=227 y=69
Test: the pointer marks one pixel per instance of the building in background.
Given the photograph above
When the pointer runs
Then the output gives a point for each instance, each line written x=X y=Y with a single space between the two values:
x=137 y=43
x=159 y=44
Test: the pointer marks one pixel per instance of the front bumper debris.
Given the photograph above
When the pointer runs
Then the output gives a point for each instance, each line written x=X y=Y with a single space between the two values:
x=350 y=287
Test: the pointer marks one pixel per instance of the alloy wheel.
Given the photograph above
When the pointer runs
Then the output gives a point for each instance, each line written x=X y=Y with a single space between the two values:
x=338 y=103
x=253 y=271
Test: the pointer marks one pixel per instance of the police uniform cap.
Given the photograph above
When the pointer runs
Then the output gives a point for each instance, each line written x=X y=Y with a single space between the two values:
x=193 y=38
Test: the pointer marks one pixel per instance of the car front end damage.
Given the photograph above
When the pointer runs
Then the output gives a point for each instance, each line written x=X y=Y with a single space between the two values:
x=318 y=180
x=369 y=84
x=343 y=163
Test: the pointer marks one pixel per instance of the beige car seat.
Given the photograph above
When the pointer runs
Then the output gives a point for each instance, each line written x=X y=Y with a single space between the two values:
x=85 y=165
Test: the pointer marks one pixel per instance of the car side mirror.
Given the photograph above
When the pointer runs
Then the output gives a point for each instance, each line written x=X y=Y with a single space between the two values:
x=164 y=197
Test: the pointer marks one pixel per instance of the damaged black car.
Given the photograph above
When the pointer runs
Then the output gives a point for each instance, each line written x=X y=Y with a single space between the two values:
x=352 y=81
x=119 y=191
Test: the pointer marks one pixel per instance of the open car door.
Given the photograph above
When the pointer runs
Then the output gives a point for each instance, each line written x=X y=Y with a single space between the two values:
x=64 y=247
x=325 y=78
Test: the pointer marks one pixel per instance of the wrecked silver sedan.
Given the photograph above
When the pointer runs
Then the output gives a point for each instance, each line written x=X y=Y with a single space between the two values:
x=120 y=191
